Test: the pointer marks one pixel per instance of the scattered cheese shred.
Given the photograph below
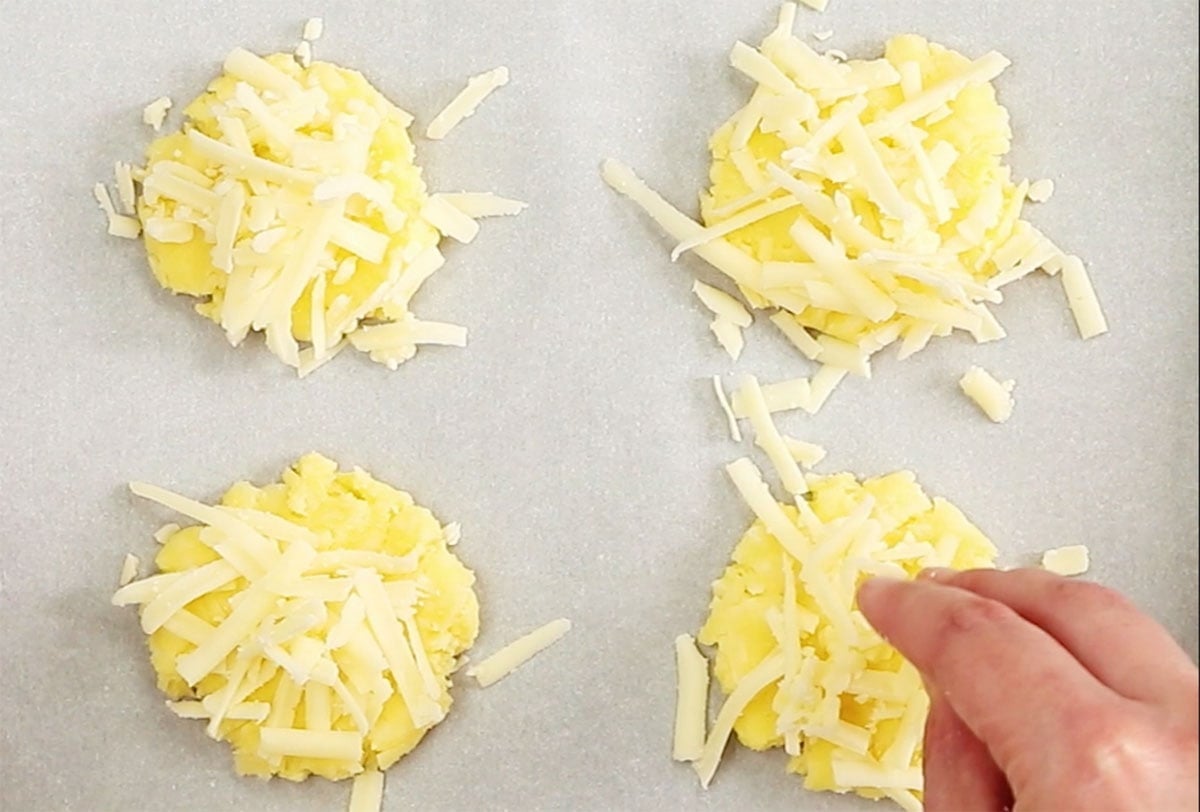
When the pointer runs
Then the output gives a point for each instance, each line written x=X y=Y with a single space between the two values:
x=691 y=701
x=119 y=225
x=1068 y=561
x=155 y=113
x=721 y=304
x=767 y=437
x=465 y=104
x=129 y=569
x=729 y=336
x=992 y=396
x=499 y=665
x=314 y=27
x=734 y=431
x=818 y=5
x=1040 y=190
x=1081 y=297
x=807 y=454
x=366 y=794
x=864 y=203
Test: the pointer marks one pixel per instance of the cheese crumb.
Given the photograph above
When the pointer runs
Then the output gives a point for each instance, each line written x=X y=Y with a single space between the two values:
x=464 y=105
x=314 y=27
x=119 y=225
x=129 y=569
x=818 y=5
x=1068 y=561
x=721 y=304
x=822 y=36
x=691 y=701
x=992 y=396
x=155 y=113
x=499 y=665
x=1040 y=190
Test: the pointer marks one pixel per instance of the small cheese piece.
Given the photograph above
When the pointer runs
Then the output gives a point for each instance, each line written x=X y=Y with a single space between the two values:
x=126 y=193
x=499 y=665
x=1040 y=190
x=691 y=700
x=129 y=569
x=734 y=430
x=155 y=113
x=483 y=204
x=466 y=102
x=314 y=27
x=729 y=336
x=818 y=5
x=446 y=218
x=992 y=396
x=119 y=225
x=721 y=304
x=366 y=793
x=1068 y=561
x=1081 y=297
x=303 y=53
x=765 y=673
x=767 y=437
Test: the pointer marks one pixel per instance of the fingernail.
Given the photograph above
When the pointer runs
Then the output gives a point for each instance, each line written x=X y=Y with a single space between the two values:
x=936 y=573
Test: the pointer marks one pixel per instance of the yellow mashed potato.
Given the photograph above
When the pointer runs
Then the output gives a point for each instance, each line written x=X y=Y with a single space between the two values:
x=976 y=126
x=749 y=597
x=187 y=267
x=349 y=511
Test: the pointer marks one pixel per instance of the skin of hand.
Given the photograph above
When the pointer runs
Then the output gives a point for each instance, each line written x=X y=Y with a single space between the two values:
x=1046 y=693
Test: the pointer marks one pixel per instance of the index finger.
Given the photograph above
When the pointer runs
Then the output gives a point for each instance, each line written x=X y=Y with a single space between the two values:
x=1010 y=682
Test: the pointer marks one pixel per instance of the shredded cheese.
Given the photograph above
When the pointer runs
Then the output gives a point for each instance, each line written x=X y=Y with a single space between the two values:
x=992 y=396
x=691 y=701
x=314 y=27
x=729 y=336
x=1040 y=190
x=1081 y=297
x=734 y=431
x=294 y=189
x=499 y=665
x=721 y=304
x=119 y=225
x=129 y=569
x=464 y=105
x=1068 y=561
x=864 y=202
x=366 y=794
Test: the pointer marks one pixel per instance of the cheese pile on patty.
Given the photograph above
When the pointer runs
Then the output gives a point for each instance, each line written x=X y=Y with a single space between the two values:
x=291 y=204
x=865 y=202
x=314 y=623
x=802 y=667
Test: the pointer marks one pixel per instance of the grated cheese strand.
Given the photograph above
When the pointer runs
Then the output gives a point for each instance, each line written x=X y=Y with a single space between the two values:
x=499 y=665
x=464 y=105
x=691 y=703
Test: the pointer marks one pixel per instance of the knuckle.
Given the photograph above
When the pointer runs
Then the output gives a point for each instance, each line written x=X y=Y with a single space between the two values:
x=1099 y=598
x=972 y=616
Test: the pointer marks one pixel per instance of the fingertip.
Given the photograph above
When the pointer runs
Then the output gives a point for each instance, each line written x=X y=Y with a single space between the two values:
x=874 y=592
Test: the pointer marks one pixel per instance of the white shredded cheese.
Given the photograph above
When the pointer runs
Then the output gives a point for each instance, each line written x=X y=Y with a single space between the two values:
x=807 y=454
x=767 y=437
x=303 y=53
x=499 y=665
x=155 y=113
x=992 y=396
x=483 y=204
x=366 y=793
x=691 y=701
x=466 y=102
x=721 y=304
x=818 y=5
x=729 y=336
x=1068 y=561
x=119 y=225
x=129 y=569
x=734 y=431
x=1081 y=297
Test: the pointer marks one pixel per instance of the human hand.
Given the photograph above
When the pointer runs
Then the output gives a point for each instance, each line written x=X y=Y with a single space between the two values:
x=1046 y=693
